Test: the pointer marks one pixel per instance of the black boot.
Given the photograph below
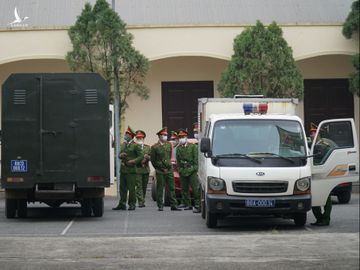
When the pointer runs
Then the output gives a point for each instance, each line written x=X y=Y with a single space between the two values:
x=119 y=208
x=174 y=208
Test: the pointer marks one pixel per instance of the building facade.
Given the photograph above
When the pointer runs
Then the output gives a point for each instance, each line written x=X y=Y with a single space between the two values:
x=188 y=44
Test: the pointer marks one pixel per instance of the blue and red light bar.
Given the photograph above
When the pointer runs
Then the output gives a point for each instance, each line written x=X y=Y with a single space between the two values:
x=255 y=108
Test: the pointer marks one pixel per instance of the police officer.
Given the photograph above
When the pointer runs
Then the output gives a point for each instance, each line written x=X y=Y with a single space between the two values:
x=323 y=146
x=174 y=139
x=187 y=160
x=143 y=169
x=161 y=160
x=130 y=155
x=196 y=130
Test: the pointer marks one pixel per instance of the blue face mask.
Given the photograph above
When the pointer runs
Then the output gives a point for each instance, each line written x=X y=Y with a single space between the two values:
x=127 y=138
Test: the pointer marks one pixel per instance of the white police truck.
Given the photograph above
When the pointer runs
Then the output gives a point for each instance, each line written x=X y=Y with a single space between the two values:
x=254 y=159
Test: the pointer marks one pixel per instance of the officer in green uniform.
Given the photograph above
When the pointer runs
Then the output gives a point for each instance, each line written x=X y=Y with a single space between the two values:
x=131 y=155
x=322 y=146
x=143 y=169
x=174 y=139
x=161 y=160
x=187 y=160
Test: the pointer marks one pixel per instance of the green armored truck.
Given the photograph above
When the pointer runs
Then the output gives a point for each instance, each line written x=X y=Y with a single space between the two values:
x=55 y=141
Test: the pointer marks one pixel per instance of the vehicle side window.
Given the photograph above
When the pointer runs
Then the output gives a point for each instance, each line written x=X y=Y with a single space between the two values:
x=333 y=135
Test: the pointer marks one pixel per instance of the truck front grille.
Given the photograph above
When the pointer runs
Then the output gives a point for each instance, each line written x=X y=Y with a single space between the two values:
x=260 y=187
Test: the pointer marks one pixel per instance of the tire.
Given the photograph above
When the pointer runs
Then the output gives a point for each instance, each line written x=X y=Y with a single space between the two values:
x=202 y=204
x=10 y=208
x=22 y=208
x=211 y=219
x=344 y=197
x=98 y=207
x=153 y=190
x=167 y=198
x=86 y=207
x=300 y=219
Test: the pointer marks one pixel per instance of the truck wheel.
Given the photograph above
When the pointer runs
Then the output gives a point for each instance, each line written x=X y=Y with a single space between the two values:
x=300 y=219
x=153 y=190
x=211 y=220
x=344 y=197
x=98 y=207
x=10 y=208
x=167 y=198
x=22 y=208
x=203 y=208
x=86 y=207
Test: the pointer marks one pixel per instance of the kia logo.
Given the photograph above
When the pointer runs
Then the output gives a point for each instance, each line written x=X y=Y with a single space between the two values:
x=260 y=173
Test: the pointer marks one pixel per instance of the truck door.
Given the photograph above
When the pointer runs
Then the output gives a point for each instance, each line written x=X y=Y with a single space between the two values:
x=336 y=157
x=58 y=128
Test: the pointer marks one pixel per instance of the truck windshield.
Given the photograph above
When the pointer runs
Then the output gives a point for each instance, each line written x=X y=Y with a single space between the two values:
x=259 y=138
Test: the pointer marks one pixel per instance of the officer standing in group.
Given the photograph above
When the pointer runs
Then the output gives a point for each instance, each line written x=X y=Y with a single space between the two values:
x=322 y=145
x=187 y=161
x=196 y=130
x=143 y=169
x=174 y=140
x=161 y=160
x=131 y=155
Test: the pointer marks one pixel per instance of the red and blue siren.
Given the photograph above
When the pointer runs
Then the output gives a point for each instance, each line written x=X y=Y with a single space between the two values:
x=255 y=108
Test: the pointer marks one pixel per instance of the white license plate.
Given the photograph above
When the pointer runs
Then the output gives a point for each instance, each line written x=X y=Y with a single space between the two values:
x=265 y=203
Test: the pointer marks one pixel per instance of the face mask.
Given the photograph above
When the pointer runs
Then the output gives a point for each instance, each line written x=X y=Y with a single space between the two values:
x=173 y=142
x=196 y=135
x=140 y=141
x=163 y=138
x=182 y=140
x=127 y=137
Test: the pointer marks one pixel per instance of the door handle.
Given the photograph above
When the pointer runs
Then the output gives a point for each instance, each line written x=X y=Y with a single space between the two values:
x=352 y=168
x=51 y=132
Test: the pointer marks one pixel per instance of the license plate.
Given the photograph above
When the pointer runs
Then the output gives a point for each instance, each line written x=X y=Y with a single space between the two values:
x=265 y=203
x=18 y=165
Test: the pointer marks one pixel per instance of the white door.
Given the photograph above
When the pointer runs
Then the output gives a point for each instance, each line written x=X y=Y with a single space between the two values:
x=337 y=160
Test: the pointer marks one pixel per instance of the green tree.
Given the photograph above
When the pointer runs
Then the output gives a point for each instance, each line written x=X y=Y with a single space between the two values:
x=101 y=44
x=262 y=63
x=351 y=27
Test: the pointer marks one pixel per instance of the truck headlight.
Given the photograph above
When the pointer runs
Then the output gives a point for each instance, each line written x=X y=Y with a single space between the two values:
x=302 y=186
x=216 y=185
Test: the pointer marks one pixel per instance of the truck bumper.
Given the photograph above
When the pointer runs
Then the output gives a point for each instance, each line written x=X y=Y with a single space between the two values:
x=226 y=205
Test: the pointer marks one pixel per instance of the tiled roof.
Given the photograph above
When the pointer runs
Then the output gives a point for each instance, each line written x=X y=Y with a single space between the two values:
x=60 y=13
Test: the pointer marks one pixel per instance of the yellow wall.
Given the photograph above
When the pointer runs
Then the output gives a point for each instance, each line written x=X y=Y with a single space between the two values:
x=163 y=42
x=180 y=53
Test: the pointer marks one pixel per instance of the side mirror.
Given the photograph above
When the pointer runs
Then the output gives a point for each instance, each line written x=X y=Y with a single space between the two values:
x=205 y=145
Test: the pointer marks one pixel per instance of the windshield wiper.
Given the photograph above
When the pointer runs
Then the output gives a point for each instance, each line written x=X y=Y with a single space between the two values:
x=273 y=154
x=236 y=155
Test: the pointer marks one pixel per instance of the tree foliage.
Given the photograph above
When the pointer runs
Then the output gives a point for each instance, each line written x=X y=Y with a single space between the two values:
x=262 y=63
x=351 y=27
x=101 y=44
x=352 y=22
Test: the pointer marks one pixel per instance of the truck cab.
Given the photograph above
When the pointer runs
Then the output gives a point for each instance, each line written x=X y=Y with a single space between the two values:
x=257 y=163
